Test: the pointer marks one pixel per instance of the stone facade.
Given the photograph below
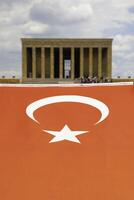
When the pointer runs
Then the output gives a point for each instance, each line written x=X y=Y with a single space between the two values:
x=62 y=59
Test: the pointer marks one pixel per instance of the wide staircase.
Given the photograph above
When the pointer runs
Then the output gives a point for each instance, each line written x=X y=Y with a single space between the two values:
x=51 y=81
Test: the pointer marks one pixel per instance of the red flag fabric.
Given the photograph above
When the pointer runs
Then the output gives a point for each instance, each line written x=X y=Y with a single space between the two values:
x=95 y=164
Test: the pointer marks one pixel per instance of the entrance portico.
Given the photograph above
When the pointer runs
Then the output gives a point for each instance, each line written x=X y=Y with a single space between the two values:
x=61 y=59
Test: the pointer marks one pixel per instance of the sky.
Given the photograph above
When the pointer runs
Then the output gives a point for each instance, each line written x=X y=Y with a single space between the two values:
x=67 y=19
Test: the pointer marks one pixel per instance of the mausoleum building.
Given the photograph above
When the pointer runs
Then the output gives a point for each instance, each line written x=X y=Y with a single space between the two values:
x=65 y=59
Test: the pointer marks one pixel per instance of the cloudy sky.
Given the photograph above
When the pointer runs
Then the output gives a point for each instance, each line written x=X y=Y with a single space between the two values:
x=67 y=18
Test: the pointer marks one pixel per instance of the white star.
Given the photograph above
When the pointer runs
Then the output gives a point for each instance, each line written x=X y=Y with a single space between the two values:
x=65 y=134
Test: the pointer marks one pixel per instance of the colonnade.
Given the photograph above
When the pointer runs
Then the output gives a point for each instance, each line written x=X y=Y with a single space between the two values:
x=61 y=62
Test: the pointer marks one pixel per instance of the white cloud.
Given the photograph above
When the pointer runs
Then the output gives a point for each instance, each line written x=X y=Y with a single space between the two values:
x=61 y=13
x=123 y=52
x=33 y=27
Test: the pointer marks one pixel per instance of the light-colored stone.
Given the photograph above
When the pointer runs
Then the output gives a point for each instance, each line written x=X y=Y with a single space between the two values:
x=81 y=62
x=91 y=61
x=34 y=43
x=99 y=62
x=34 y=62
x=72 y=63
x=24 y=62
x=52 y=62
x=61 y=62
x=42 y=62
x=109 y=59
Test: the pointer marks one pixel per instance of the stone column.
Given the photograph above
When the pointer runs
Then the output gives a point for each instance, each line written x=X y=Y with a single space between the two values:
x=61 y=63
x=52 y=62
x=81 y=61
x=24 y=62
x=109 y=62
x=99 y=62
x=72 y=63
x=42 y=62
x=90 y=61
x=34 y=62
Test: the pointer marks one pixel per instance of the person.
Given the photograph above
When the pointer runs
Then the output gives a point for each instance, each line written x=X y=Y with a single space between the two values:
x=89 y=79
x=94 y=79
x=101 y=79
x=82 y=79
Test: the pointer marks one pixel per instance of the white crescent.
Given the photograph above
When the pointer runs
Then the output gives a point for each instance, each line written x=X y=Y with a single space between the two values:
x=68 y=99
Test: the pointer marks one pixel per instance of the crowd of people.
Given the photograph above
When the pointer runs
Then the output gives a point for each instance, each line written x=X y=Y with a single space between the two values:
x=94 y=79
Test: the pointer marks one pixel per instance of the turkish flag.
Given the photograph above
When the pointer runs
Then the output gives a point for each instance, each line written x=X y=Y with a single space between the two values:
x=98 y=167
